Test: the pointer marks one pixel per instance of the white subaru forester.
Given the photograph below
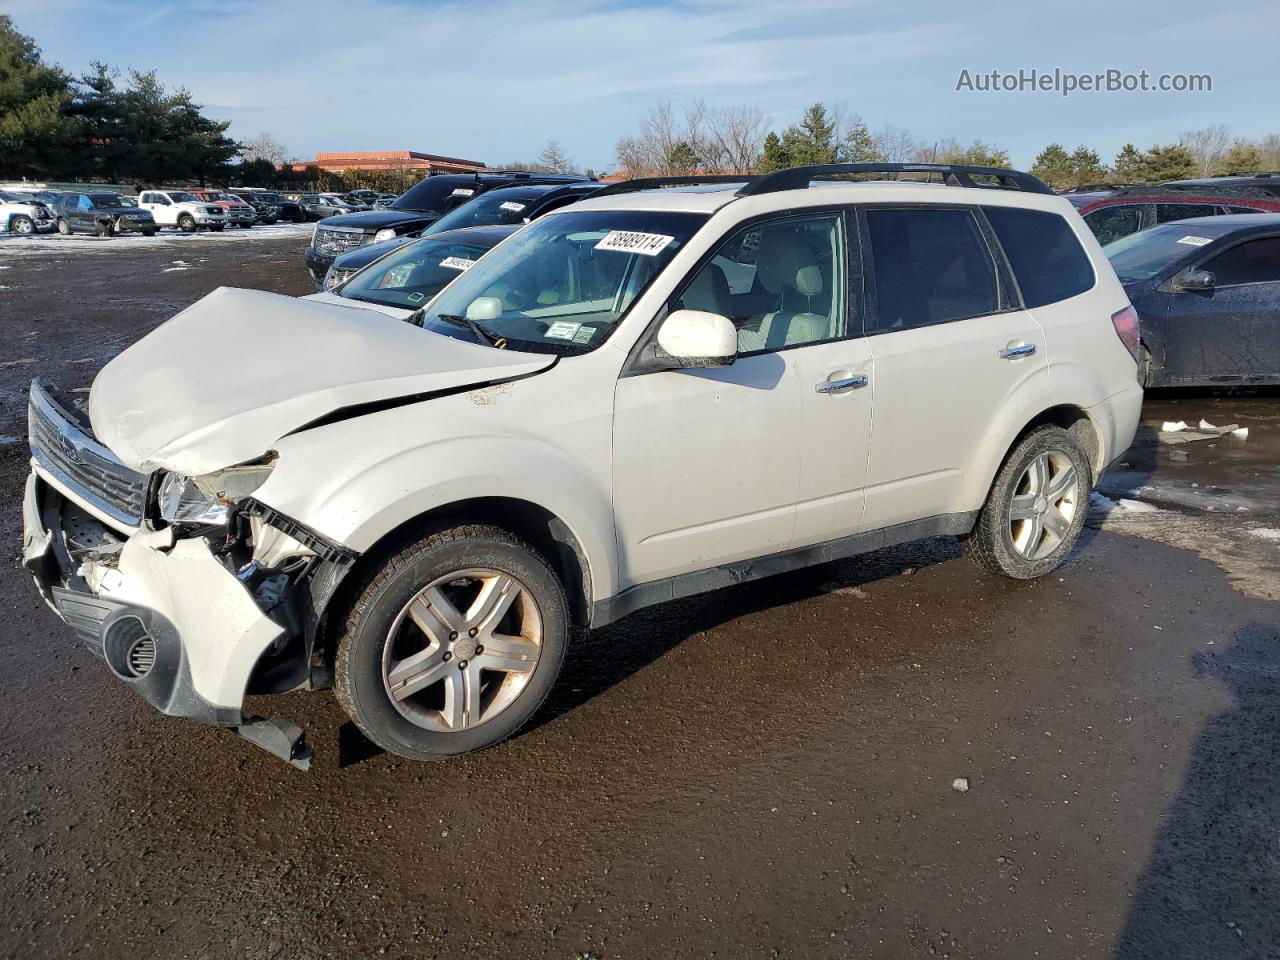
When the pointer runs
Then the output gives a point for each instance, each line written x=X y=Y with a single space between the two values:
x=655 y=392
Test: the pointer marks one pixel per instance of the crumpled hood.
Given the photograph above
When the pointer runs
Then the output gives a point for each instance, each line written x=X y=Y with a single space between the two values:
x=233 y=373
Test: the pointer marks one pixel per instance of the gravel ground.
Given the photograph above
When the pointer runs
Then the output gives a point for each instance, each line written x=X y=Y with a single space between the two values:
x=891 y=757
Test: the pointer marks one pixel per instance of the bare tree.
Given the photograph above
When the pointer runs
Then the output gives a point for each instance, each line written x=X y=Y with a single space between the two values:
x=553 y=159
x=266 y=147
x=896 y=144
x=1208 y=146
x=734 y=137
x=1269 y=148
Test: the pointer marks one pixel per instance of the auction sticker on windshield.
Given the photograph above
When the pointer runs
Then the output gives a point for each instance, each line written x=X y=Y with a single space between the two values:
x=511 y=205
x=562 y=330
x=457 y=263
x=628 y=241
x=1195 y=241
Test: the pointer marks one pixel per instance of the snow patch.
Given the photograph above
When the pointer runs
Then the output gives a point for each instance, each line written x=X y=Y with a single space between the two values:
x=1266 y=533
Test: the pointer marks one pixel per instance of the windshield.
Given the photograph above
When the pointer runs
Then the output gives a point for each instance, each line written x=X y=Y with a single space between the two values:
x=1142 y=255
x=111 y=200
x=562 y=284
x=184 y=198
x=495 y=207
x=215 y=195
x=414 y=274
x=436 y=194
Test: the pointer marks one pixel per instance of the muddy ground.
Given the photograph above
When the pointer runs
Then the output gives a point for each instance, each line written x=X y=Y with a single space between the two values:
x=763 y=772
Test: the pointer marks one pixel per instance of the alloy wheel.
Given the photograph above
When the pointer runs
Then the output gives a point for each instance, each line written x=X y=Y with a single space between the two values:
x=462 y=649
x=1044 y=505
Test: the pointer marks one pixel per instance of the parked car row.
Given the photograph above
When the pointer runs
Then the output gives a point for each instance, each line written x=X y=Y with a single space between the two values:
x=412 y=212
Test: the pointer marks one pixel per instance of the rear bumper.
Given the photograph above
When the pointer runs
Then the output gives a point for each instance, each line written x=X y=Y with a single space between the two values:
x=1117 y=419
x=170 y=621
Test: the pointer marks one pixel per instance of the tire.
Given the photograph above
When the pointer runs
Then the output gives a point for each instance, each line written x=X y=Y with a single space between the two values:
x=22 y=225
x=1024 y=548
x=381 y=637
x=106 y=230
x=64 y=227
x=149 y=232
x=187 y=223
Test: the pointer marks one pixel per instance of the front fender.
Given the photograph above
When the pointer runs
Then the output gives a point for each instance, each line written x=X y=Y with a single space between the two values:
x=358 y=507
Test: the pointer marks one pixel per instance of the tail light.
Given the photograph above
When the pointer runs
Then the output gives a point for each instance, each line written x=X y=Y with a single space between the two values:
x=1126 y=323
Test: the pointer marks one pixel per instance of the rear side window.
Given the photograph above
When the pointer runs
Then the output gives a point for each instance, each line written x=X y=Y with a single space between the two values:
x=1047 y=259
x=1112 y=223
x=1183 y=211
x=931 y=266
x=1254 y=261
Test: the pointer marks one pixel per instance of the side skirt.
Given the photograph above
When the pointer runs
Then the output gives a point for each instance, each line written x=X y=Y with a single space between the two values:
x=606 y=611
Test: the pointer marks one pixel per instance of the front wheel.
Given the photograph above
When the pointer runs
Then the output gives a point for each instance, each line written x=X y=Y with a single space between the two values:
x=23 y=225
x=187 y=223
x=64 y=227
x=106 y=229
x=1036 y=508
x=453 y=644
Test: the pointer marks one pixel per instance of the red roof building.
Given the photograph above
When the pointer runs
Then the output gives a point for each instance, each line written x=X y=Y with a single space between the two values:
x=426 y=163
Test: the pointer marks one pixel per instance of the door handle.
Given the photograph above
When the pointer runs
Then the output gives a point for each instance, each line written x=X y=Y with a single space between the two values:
x=1018 y=352
x=847 y=383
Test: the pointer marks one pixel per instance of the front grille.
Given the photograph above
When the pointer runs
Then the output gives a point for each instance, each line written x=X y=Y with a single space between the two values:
x=88 y=470
x=334 y=242
x=337 y=276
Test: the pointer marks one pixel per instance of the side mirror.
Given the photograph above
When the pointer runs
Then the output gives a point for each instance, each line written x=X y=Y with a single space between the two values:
x=1197 y=280
x=484 y=308
x=694 y=338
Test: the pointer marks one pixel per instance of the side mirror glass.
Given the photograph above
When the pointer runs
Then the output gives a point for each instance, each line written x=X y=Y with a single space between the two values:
x=694 y=338
x=485 y=308
x=1197 y=280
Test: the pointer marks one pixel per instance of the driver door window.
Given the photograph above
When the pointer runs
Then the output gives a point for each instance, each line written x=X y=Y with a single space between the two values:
x=781 y=283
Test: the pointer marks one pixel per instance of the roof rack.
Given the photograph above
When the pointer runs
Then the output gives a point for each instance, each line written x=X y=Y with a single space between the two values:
x=652 y=183
x=799 y=178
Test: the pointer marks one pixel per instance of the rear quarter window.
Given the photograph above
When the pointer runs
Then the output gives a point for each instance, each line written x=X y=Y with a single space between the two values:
x=1047 y=259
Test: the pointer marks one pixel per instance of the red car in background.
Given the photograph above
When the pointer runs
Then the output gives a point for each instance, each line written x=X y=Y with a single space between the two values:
x=1137 y=208
x=238 y=212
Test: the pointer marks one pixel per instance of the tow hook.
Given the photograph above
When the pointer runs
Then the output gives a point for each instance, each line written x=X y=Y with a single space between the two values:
x=279 y=736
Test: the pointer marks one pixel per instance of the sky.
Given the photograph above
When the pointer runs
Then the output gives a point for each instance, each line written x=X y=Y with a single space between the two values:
x=494 y=81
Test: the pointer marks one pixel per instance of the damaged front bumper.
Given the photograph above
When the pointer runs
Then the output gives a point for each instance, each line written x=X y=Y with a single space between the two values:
x=169 y=618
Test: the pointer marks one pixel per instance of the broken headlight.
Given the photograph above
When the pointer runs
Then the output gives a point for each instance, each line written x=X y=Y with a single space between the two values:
x=208 y=498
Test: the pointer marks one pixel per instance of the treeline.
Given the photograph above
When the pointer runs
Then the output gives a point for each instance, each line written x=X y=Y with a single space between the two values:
x=737 y=140
x=123 y=128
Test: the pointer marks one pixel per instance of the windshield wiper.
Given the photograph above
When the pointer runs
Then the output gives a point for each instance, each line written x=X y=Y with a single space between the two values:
x=483 y=336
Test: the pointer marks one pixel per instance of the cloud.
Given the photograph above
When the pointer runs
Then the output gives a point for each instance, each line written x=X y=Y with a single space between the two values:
x=495 y=82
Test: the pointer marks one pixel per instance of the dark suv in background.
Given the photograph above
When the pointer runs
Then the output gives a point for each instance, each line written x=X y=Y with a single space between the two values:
x=420 y=206
x=105 y=214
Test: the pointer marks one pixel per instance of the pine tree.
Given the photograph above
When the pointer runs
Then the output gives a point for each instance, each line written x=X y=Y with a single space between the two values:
x=775 y=155
x=858 y=145
x=1086 y=166
x=35 y=130
x=1167 y=162
x=1053 y=166
x=1128 y=165
x=1243 y=157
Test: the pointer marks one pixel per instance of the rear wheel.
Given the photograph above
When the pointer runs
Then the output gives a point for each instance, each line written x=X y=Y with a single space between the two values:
x=453 y=644
x=1036 y=508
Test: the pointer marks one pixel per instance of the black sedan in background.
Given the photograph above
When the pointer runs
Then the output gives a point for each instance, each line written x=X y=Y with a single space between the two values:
x=409 y=277
x=1207 y=292
x=105 y=214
